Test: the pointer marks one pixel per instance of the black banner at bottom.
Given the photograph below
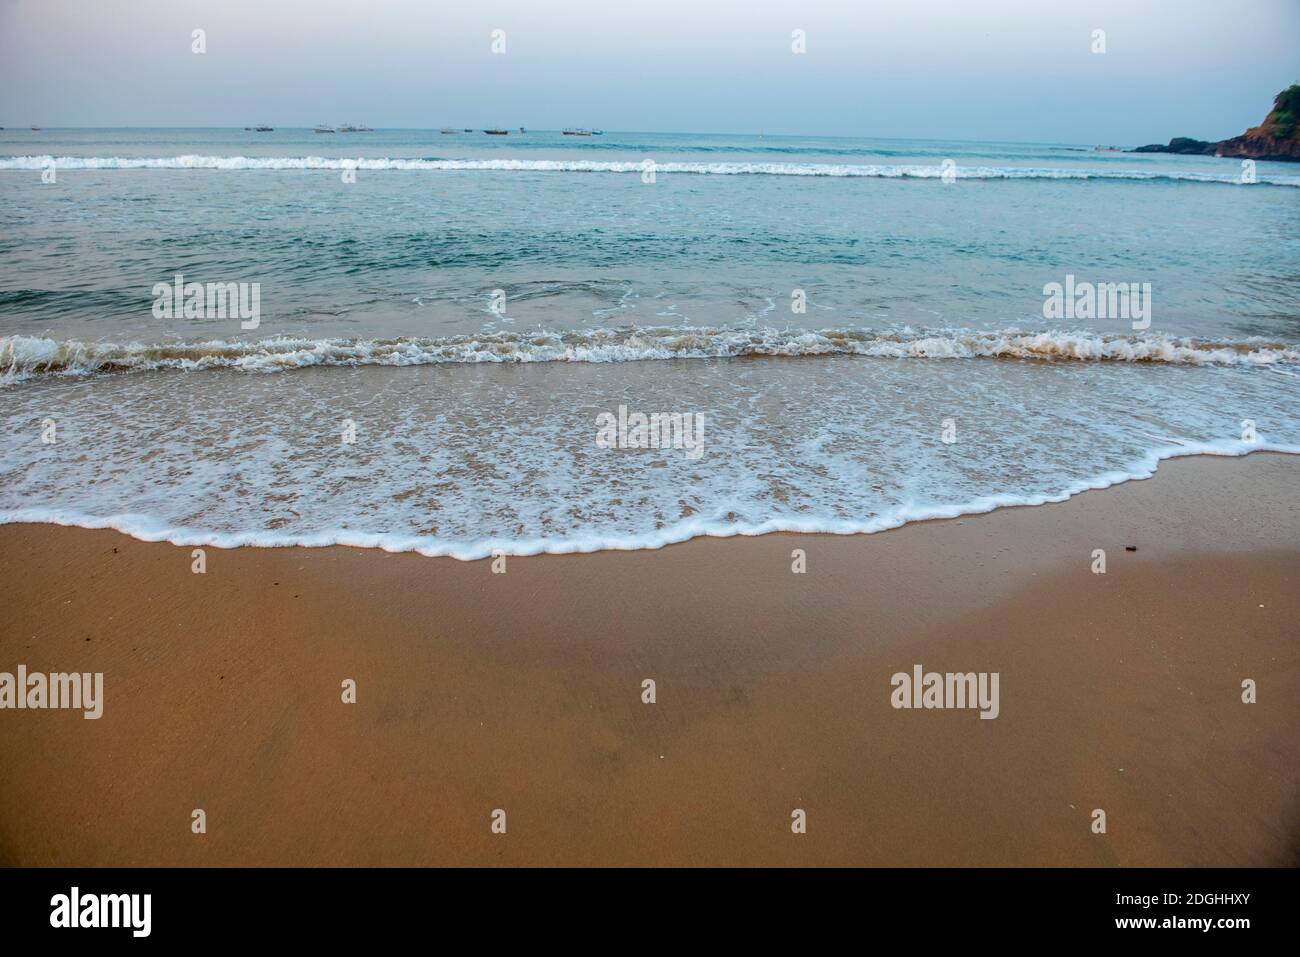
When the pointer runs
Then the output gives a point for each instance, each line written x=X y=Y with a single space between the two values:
x=213 y=906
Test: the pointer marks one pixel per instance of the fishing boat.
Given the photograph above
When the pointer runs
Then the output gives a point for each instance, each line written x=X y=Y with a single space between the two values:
x=497 y=132
x=322 y=129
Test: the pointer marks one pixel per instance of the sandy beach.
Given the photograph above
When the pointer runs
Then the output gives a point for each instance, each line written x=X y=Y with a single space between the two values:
x=522 y=691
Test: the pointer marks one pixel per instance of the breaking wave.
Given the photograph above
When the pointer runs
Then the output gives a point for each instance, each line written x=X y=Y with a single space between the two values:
x=25 y=357
x=833 y=170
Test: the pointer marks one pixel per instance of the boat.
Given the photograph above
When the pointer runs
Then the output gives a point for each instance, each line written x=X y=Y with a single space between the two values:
x=597 y=132
x=522 y=130
x=449 y=131
x=322 y=129
x=576 y=132
x=349 y=128
x=36 y=129
x=497 y=132
x=467 y=130
x=263 y=128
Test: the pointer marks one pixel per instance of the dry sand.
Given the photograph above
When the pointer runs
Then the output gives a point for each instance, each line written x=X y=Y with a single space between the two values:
x=522 y=691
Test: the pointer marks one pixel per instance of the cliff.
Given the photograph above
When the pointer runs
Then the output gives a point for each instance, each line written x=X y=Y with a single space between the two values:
x=1277 y=138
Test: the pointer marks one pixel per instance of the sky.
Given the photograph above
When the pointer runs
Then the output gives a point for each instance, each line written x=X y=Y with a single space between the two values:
x=1019 y=70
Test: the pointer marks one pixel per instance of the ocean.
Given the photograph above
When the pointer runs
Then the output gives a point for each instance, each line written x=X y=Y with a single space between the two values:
x=865 y=332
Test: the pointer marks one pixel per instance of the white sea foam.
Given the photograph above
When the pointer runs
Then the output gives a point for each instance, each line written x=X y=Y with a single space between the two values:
x=462 y=460
x=25 y=357
x=152 y=529
x=834 y=170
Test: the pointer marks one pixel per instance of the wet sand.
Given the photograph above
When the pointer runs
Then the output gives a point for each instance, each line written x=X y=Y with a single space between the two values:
x=523 y=691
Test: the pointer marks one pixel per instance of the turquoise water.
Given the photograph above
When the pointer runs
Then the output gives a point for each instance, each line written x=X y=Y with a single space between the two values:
x=863 y=336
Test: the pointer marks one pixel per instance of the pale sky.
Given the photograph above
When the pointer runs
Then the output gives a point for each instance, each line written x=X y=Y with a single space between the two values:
x=960 y=69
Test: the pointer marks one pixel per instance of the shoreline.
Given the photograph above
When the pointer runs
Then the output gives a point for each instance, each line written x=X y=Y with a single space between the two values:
x=1137 y=471
x=523 y=691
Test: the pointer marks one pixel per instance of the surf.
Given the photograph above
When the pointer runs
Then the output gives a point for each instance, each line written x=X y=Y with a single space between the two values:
x=27 y=357
x=434 y=164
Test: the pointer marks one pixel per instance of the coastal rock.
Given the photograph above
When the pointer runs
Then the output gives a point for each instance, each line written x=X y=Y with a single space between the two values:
x=1180 y=144
x=1274 y=139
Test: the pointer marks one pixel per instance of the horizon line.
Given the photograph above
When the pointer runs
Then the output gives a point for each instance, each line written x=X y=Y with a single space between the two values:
x=514 y=130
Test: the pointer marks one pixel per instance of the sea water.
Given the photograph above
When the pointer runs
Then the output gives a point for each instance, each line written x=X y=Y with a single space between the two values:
x=862 y=328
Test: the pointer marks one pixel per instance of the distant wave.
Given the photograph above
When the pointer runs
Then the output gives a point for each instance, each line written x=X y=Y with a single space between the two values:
x=831 y=170
x=25 y=357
